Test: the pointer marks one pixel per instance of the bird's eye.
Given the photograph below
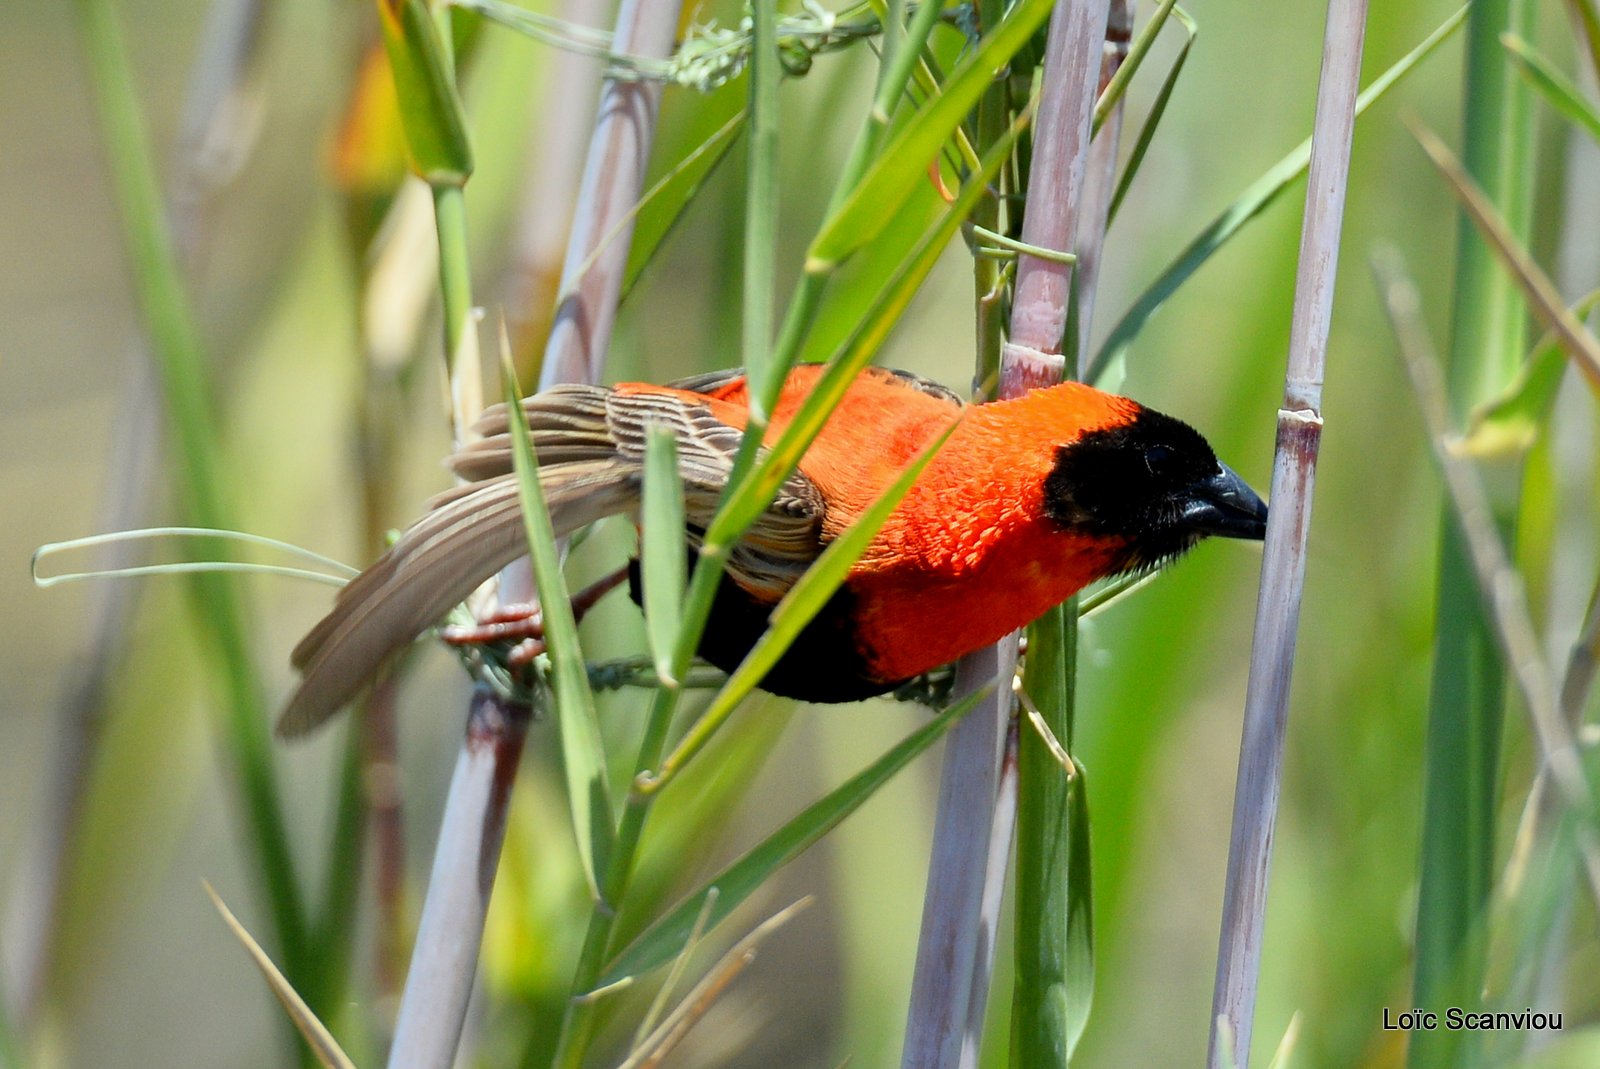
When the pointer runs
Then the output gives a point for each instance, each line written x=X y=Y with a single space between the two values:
x=1158 y=459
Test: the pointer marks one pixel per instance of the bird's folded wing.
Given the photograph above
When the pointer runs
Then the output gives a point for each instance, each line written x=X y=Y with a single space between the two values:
x=590 y=443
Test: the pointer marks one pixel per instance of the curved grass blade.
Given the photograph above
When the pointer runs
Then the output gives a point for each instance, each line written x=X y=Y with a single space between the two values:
x=1543 y=297
x=430 y=109
x=651 y=1050
x=757 y=490
x=315 y=1033
x=1158 y=110
x=588 y=790
x=1252 y=202
x=659 y=210
x=661 y=942
x=200 y=477
x=797 y=609
x=1587 y=15
x=761 y=206
x=1118 y=86
x=1558 y=90
x=664 y=567
x=1509 y=423
x=1078 y=966
x=1054 y=915
x=904 y=160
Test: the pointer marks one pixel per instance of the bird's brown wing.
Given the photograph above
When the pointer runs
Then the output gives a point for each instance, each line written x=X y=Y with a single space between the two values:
x=590 y=443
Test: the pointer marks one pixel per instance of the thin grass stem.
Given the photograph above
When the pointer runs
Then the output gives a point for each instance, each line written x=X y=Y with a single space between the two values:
x=1283 y=567
x=1466 y=704
x=180 y=357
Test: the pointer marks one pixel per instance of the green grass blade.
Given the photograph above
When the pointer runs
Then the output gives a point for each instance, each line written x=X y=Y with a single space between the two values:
x=1587 y=15
x=1501 y=238
x=1158 y=110
x=904 y=160
x=661 y=207
x=180 y=360
x=761 y=485
x=761 y=207
x=430 y=109
x=664 y=567
x=1466 y=701
x=1118 y=86
x=1054 y=920
x=1508 y=423
x=588 y=789
x=1256 y=198
x=797 y=609
x=661 y=942
x=1559 y=91
x=1078 y=966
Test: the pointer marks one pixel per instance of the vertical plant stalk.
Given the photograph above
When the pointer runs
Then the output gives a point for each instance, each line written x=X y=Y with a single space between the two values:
x=180 y=358
x=950 y=981
x=1032 y=355
x=1466 y=700
x=446 y=955
x=1054 y=973
x=945 y=1007
x=1100 y=186
x=1283 y=569
x=597 y=259
x=439 y=983
x=612 y=180
x=532 y=284
x=444 y=959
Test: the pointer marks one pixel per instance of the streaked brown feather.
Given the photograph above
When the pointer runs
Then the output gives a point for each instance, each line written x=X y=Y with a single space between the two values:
x=590 y=443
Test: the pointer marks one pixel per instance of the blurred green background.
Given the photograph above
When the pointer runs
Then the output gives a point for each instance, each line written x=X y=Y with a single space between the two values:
x=147 y=975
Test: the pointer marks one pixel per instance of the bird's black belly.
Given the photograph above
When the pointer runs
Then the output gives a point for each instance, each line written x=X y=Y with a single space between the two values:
x=825 y=663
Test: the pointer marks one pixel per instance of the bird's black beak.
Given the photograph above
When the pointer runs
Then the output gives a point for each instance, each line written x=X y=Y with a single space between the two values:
x=1225 y=505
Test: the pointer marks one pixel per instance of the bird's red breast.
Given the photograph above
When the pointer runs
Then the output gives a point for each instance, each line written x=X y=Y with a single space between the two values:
x=970 y=553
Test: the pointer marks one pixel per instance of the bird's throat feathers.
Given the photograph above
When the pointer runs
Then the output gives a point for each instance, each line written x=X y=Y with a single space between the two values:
x=973 y=552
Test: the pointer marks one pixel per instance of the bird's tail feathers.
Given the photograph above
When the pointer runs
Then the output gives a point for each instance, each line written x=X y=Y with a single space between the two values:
x=470 y=533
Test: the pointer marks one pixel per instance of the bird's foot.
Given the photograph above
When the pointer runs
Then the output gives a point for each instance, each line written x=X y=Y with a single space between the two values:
x=523 y=622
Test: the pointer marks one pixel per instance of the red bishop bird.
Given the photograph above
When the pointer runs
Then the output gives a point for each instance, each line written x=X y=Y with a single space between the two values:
x=1027 y=502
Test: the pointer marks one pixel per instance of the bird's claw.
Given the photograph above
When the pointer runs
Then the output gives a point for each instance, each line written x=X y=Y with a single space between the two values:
x=522 y=622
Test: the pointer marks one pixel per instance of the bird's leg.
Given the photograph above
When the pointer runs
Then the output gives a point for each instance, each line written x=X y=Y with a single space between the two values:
x=523 y=622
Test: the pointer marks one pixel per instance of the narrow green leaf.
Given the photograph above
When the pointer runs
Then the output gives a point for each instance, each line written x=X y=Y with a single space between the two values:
x=1284 y=1055
x=315 y=1033
x=760 y=486
x=659 y=210
x=1137 y=52
x=588 y=790
x=1079 y=961
x=661 y=942
x=200 y=478
x=1509 y=423
x=798 y=608
x=1463 y=757
x=902 y=49
x=1541 y=293
x=1252 y=202
x=430 y=109
x=761 y=207
x=1054 y=919
x=1558 y=90
x=664 y=566
x=1158 y=110
x=1587 y=16
x=904 y=160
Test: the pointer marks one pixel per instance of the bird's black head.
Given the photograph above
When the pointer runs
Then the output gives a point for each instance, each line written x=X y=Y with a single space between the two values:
x=1153 y=485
